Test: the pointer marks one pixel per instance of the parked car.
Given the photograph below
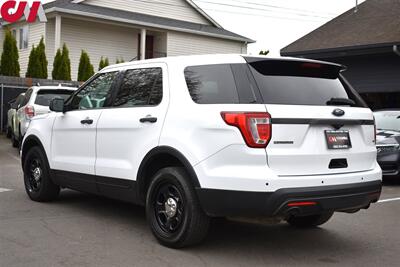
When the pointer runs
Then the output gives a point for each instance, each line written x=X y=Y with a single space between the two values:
x=197 y=137
x=14 y=105
x=388 y=142
x=36 y=102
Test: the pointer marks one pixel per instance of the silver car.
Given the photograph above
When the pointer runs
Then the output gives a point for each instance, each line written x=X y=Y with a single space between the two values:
x=36 y=102
x=11 y=118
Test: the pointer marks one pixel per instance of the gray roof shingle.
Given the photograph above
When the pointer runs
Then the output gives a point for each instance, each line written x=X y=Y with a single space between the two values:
x=376 y=23
x=144 y=18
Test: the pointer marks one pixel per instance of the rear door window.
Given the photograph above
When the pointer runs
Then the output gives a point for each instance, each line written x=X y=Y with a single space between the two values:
x=44 y=97
x=140 y=87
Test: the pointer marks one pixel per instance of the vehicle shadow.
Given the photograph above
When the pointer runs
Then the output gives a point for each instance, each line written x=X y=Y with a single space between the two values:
x=228 y=238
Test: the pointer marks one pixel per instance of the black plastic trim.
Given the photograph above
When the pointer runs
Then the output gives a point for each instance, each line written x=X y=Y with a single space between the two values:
x=346 y=198
x=120 y=189
x=321 y=121
x=141 y=176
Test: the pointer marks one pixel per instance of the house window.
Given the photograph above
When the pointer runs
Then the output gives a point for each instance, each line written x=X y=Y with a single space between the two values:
x=23 y=37
x=14 y=34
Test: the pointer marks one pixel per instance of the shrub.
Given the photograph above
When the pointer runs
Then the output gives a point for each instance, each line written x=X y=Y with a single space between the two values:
x=9 y=57
x=86 y=69
x=62 y=65
x=103 y=63
x=42 y=62
x=32 y=64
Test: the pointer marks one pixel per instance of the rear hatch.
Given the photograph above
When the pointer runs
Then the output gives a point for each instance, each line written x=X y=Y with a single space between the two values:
x=319 y=123
x=44 y=97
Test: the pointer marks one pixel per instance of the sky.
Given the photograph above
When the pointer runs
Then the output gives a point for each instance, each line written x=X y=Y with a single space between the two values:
x=272 y=23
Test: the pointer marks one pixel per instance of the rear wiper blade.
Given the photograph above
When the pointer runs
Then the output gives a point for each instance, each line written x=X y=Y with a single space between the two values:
x=340 y=101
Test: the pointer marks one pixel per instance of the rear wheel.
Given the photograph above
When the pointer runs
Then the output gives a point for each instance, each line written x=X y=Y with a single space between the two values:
x=38 y=184
x=309 y=221
x=9 y=132
x=14 y=140
x=173 y=210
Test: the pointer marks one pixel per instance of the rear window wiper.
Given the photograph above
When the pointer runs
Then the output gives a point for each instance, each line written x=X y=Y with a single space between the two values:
x=340 y=102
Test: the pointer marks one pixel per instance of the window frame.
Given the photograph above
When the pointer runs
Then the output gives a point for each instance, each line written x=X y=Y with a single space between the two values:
x=121 y=79
x=24 y=32
x=109 y=100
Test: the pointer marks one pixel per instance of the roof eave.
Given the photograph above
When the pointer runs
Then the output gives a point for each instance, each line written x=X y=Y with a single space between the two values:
x=367 y=49
x=146 y=24
x=191 y=3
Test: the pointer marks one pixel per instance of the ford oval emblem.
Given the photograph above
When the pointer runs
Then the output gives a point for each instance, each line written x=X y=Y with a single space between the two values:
x=338 y=112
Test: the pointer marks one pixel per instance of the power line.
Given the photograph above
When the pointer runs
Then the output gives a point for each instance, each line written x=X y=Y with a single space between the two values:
x=280 y=7
x=261 y=15
x=262 y=9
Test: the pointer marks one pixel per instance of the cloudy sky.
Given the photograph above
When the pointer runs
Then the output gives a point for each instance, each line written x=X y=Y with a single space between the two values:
x=272 y=23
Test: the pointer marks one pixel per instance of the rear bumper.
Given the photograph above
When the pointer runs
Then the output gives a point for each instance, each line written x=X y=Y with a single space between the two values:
x=390 y=164
x=345 y=198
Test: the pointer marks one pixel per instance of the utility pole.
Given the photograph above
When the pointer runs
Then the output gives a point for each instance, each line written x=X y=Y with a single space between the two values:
x=356 y=9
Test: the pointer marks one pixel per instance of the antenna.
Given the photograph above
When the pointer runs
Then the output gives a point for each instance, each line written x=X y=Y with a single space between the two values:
x=356 y=9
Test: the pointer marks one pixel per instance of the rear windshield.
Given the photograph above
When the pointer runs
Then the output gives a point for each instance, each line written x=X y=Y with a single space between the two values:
x=268 y=82
x=44 y=97
x=297 y=83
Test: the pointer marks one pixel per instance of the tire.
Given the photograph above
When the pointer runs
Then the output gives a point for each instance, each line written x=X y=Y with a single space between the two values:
x=309 y=221
x=9 y=132
x=183 y=226
x=14 y=141
x=38 y=183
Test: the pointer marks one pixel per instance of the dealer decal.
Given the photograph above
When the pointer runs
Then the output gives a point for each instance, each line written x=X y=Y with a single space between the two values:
x=12 y=11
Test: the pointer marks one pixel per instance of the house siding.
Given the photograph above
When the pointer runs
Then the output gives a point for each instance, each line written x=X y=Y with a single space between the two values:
x=98 y=40
x=36 y=31
x=190 y=44
x=174 y=9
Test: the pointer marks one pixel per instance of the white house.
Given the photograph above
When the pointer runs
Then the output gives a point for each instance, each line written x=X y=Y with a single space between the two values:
x=114 y=29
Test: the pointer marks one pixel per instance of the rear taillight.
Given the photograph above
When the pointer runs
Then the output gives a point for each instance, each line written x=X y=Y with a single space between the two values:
x=375 y=130
x=254 y=126
x=29 y=111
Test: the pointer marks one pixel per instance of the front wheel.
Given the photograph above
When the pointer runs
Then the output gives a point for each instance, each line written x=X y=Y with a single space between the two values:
x=309 y=221
x=38 y=183
x=173 y=210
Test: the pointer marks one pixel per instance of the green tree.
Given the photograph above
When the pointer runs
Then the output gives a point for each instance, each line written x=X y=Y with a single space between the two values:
x=119 y=61
x=32 y=64
x=103 y=63
x=264 y=52
x=86 y=69
x=65 y=71
x=57 y=65
x=62 y=65
x=9 y=57
x=42 y=62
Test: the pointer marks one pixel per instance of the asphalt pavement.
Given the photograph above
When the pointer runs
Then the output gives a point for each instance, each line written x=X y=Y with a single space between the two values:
x=85 y=230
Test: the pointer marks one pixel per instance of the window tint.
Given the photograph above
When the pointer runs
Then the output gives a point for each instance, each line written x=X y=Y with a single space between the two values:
x=94 y=94
x=140 y=87
x=27 y=97
x=44 y=97
x=212 y=84
x=297 y=83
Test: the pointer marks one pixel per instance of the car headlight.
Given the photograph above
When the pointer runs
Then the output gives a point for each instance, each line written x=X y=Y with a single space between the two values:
x=390 y=148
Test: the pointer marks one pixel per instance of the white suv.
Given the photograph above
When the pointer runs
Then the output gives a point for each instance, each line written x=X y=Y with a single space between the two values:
x=210 y=136
x=36 y=102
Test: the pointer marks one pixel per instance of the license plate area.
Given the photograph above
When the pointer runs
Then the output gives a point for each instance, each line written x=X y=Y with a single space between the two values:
x=338 y=139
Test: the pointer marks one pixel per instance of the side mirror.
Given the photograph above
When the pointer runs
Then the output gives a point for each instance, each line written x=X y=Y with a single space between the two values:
x=57 y=105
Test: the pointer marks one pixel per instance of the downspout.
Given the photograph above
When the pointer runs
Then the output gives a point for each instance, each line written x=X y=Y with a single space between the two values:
x=396 y=50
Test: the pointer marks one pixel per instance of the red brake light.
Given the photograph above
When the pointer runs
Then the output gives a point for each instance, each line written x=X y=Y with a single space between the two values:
x=254 y=126
x=29 y=111
x=375 y=130
x=300 y=204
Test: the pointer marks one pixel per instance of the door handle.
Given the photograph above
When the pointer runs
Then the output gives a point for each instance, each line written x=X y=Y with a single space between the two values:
x=148 y=119
x=87 y=121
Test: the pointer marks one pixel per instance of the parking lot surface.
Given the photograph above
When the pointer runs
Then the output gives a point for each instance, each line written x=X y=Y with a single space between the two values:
x=85 y=230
